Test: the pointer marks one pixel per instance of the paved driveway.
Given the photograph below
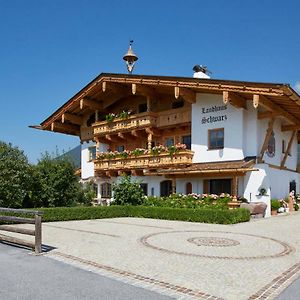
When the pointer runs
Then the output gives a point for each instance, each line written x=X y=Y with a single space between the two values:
x=254 y=260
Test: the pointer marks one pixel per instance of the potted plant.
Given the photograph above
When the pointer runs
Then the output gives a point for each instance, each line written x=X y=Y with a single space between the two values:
x=275 y=205
x=110 y=117
x=124 y=114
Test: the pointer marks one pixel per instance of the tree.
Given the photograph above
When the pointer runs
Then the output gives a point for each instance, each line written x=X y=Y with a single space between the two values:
x=128 y=192
x=15 y=176
x=56 y=183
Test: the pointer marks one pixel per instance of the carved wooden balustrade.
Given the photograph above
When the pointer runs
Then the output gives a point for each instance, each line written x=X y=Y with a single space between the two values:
x=141 y=120
x=145 y=161
x=162 y=119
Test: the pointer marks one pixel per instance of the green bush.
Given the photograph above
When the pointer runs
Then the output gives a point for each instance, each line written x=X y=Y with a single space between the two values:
x=127 y=192
x=181 y=214
x=275 y=204
x=189 y=201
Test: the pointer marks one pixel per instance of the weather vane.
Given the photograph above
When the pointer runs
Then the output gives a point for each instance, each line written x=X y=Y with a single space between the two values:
x=130 y=58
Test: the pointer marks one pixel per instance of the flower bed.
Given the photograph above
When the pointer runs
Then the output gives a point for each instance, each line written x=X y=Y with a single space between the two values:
x=190 y=201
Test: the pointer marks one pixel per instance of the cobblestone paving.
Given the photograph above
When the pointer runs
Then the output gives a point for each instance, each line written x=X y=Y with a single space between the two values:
x=254 y=260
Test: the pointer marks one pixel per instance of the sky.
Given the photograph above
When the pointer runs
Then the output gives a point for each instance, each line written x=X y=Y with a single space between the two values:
x=50 y=49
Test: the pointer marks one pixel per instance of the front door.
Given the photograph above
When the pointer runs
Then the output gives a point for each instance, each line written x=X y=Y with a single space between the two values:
x=165 y=188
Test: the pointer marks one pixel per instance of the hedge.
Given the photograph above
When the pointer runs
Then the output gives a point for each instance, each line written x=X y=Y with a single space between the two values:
x=181 y=214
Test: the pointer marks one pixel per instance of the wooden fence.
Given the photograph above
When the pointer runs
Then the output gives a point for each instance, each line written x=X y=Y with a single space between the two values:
x=36 y=232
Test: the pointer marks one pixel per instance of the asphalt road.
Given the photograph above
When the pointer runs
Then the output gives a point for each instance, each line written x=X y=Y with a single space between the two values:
x=26 y=276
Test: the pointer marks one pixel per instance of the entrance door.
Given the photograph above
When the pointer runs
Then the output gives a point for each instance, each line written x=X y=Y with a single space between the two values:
x=219 y=186
x=165 y=188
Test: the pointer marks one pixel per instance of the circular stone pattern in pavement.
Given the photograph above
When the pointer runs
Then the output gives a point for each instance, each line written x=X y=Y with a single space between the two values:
x=213 y=241
x=216 y=244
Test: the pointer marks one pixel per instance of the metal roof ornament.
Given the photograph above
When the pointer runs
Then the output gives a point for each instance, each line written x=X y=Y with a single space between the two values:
x=130 y=58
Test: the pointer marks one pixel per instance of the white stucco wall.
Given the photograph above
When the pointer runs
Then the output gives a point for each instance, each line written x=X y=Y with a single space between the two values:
x=230 y=118
x=291 y=161
x=87 y=167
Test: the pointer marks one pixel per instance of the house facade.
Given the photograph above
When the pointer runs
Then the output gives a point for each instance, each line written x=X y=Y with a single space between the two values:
x=185 y=135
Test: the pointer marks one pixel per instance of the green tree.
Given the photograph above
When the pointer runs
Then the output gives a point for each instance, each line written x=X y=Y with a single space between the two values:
x=55 y=182
x=128 y=192
x=15 y=176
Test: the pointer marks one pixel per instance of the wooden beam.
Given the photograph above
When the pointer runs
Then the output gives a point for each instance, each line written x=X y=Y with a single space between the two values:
x=187 y=94
x=288 y=149
x=113 y=138
x=153 y=131
x=146 y=91
x=92 y=104
x=234 y=99
x=290 y=127
x=138 y=133
x=267 y=114
x=266 y=141
x=65 y=127
x=71 y=118
x=268 y=104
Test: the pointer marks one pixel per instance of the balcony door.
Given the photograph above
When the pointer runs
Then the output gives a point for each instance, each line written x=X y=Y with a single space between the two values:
x=165 y=188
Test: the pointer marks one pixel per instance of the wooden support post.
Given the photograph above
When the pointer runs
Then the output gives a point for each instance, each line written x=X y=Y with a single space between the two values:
x=173 y=185
x=288 y=149
x=266 y=141
x=235 y=187
x=38 y=234
x=149 y=108
x=149 y=141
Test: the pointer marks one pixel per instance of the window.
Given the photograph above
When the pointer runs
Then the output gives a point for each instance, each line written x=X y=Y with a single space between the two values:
x=144 y=187
x=92 y=153
x=187 y=141
x=120 y=148
x=169 y=142
x=142 y=107
x=105 y=190
x=152 y=191
x=219 y=186
x=271 y=146
x=216 y=138
x=283 y=146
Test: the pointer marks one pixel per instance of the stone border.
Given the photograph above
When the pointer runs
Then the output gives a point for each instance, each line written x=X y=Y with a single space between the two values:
x=278 y=284
x=143 y=281
x=268 y=292
x=287 y=249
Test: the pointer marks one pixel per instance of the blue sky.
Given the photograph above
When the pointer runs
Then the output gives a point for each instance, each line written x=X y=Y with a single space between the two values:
x=51 y=49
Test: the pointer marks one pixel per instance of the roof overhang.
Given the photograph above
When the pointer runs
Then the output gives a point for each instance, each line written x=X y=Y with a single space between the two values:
x=273 y=97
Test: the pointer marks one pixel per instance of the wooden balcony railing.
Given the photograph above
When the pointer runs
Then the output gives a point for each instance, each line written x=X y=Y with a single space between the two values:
x=166 y=118
x=142 y=120
x=145 y=161
x=174 y=117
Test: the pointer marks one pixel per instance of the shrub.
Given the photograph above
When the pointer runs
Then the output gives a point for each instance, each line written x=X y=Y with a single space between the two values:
x=127 y=192
x=189 y=201
x=115 y=211
x=275 y=204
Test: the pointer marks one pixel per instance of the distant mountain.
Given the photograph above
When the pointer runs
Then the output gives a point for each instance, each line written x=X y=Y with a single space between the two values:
x=75 y=155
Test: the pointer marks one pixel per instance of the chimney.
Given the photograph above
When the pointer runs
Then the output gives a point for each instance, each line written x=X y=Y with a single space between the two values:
x=201 y=72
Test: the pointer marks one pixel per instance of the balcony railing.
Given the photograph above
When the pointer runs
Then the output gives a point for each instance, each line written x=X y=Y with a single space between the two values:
x=143 y=120
x=145 y=161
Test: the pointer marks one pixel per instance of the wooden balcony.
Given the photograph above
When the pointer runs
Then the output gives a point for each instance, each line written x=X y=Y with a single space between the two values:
x=168 y=118
x=144 y=161
x=133 y=122
x=173 y=117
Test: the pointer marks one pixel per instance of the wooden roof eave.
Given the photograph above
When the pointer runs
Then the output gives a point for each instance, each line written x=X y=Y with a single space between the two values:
x=204 y=172
x=200 y=85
